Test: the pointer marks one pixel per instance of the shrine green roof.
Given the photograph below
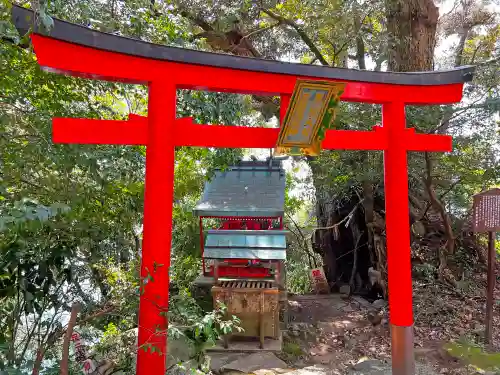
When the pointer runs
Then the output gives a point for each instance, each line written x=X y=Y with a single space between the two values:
x=249 y=189
x=245 y=244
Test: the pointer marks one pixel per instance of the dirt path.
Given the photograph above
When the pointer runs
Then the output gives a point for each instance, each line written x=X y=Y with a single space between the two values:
x=337 y=332
x=312 y=308
x=336 y=335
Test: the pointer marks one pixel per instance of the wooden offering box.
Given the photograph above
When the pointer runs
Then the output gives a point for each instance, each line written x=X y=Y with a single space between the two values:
x=255 y=303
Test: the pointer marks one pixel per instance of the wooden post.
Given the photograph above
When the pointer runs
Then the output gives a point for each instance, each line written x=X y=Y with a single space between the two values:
x=486 y=218
x=261 y=320
x=277 y=273
x=491 y=287
x=75 y=309
x=216 y=271
x=398 y=239
x=157 y=233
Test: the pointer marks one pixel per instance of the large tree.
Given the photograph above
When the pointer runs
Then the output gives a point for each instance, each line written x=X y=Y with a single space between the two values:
x=394 y=35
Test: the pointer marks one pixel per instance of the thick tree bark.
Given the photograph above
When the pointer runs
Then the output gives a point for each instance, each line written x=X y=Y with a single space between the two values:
x=360 y=44
x=411 y=26
x=435 y=201
x=412 y=36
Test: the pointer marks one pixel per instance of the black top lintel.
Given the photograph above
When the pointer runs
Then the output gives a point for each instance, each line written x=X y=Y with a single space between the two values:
x=72 y=33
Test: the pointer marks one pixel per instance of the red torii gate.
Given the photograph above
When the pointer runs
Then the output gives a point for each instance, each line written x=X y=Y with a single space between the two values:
x=79 y=51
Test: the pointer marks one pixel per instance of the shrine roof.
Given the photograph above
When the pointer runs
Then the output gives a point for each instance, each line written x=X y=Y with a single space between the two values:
x=493 y=191
x=249 y=189
x=245 y=244
x=84 y=36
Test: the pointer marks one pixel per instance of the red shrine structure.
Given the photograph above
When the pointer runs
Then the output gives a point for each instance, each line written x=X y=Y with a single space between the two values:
x=247 y=202
x=82 y=52
x=244 y=246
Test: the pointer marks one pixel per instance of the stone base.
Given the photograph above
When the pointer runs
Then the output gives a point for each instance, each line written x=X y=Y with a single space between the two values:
x=284 y=318
x=247 y=363
x=242 y=345
x=202 y=292
x=204 y=282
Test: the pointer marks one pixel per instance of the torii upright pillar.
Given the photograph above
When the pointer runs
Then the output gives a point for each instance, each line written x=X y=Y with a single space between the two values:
x=398 y=238
x=79 y=51
x=157 y=228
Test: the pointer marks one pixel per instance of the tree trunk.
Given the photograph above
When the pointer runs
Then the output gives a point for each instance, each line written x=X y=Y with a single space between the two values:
x=412 y=36
x=75 y=309
x=464 y=33
x=436 y=204
x=360 y=44
x=326 y=218
x=411 y=26
x=449 y=247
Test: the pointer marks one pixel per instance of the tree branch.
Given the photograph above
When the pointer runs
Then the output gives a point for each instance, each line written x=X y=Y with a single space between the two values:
x=451 y=187
x=444 y=125
x=261 y=29
x=305 y=38
x=490 y=61
x=55 y=335
x=13 y=41
x=304 y=240
x=464 y=34
x=347 y=218
x=196 y=19
x=75 y=309
x=355 y=262
x=450 y=244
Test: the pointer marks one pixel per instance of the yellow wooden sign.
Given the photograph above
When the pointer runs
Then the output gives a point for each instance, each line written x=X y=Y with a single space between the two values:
x=312 y=105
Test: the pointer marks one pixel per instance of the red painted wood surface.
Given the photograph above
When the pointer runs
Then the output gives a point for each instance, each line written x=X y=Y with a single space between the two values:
x=396 y=216
x=241 y=272
x=77 y=60
x=157 y=231
x=185 y=133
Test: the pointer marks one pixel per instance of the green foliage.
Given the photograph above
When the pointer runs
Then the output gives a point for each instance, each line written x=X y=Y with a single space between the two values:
x=298 y=278
x=425 y=271
x=184 y=270
x=117 y=345
x=474 y=355
x=183 y=309
x=205 y=332
x=292 y=348
x=201 y=331
x=329 y=117
x=70 y=215
x=335 y=173
x=292 y=203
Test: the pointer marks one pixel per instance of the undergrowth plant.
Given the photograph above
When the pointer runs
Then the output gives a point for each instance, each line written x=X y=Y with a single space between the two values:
x=474 y=355
x=201 y=331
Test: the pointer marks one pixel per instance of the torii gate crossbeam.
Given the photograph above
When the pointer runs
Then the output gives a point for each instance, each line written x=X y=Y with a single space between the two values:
x=79 y=51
